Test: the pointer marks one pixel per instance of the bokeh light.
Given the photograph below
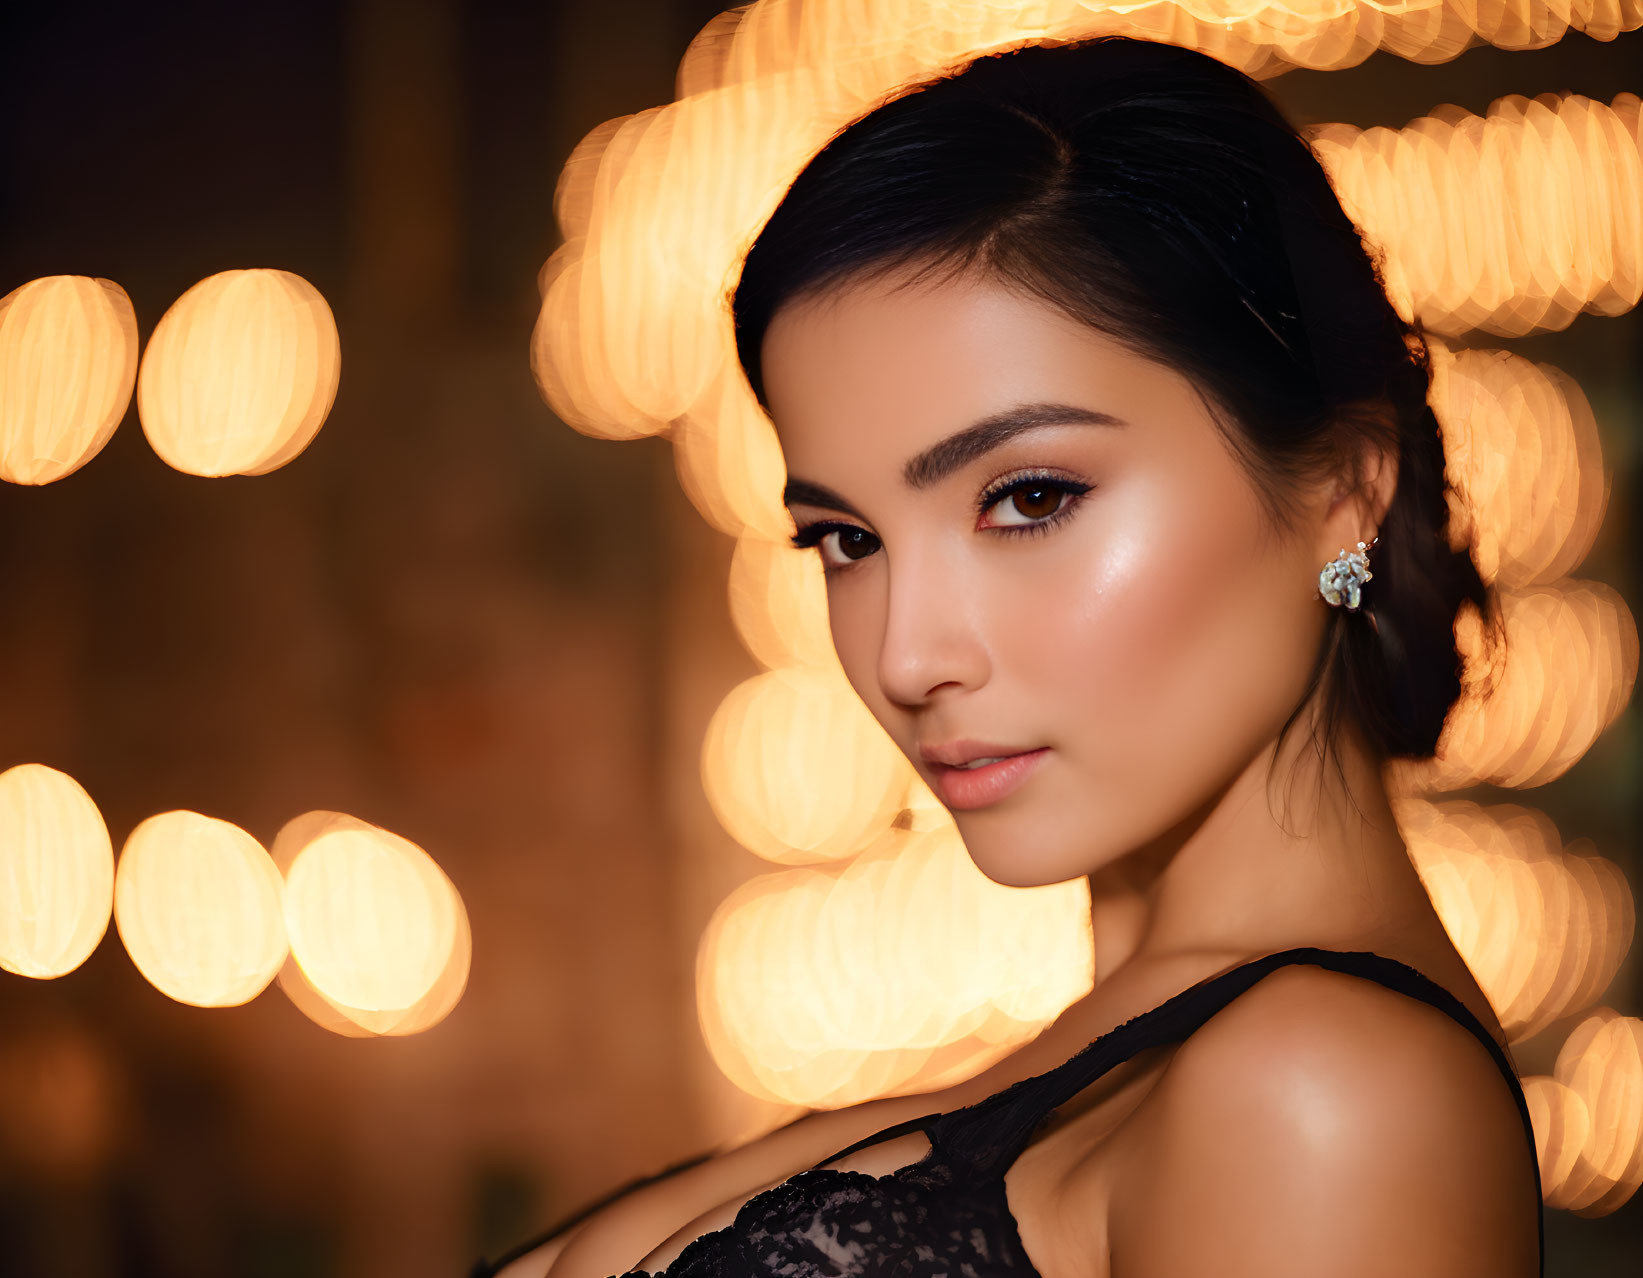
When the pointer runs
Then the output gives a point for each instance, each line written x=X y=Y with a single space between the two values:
x=633 y=338
x=197 y=902
x=1588 y=1116
x=379 y=935
x=779 y=603
x=1511 y=222
x=240 y=373
x=1542 y=927
x=1530 y=708
x=56 y=872
x=1521 y=448
x=905 y=969
x=798 y=770
x=68 y=361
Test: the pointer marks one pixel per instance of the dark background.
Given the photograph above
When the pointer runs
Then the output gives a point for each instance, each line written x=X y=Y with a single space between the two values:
x=451 y=615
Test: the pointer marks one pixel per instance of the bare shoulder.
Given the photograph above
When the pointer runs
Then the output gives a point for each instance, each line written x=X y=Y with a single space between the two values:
x=1321 y=1124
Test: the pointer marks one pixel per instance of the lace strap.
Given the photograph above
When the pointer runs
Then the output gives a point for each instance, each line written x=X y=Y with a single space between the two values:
x=889 y=1133
x=988 y=1136
x=983 y=1139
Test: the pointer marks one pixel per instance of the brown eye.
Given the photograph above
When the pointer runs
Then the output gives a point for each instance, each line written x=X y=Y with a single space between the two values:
x=1036 y=503
x=856 y=543
x=1032 y=503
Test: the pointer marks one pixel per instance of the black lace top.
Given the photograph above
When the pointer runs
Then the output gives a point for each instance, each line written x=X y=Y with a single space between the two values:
x=947 y=1213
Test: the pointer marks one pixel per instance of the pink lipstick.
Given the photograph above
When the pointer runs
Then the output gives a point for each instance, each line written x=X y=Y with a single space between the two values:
x=966 y=788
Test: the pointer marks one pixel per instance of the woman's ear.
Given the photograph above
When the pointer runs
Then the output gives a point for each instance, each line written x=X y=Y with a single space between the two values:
x=1364 y=487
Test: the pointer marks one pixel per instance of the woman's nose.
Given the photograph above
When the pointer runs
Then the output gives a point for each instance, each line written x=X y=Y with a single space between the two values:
x=930 y=636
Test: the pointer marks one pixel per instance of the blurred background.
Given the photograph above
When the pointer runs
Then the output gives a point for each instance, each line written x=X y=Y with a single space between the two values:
x=453 y=616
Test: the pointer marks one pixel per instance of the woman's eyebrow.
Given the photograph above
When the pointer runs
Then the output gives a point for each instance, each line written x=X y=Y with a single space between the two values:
x=960 y=449
x=947 y=455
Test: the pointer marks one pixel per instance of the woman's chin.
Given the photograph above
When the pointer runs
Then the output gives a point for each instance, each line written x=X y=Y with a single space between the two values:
x=1008 y=868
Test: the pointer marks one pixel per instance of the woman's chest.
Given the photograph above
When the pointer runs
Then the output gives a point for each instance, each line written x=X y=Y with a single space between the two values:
x=1056 y=1189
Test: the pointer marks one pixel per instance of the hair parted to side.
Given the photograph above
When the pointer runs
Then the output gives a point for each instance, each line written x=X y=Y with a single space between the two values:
x=1159 y=196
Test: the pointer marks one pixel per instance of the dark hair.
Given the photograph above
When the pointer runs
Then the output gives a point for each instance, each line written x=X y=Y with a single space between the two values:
x=1159 y=196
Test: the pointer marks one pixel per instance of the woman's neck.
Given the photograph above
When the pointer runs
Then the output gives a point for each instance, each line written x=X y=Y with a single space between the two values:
x=1321 y=861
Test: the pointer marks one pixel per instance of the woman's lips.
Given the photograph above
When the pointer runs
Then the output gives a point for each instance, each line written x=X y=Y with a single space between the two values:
x=966 y=788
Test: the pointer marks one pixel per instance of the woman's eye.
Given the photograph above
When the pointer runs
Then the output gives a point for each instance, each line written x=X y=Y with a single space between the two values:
x=1029 y=505
x=853 y=544
x=1032 y=502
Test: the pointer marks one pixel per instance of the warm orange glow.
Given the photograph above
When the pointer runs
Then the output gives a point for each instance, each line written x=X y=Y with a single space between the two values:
x=779 y=604
x=1528 y=713
x=1562 y=1126
x=868 y=40
x=633 y=337
x=1588 y=1116
x=1542 y=927
x=239 y=373
x=902 y=971
x=1510 y=222
x=60 y=1102
x=68 y=360
x=56 y=872
x=730 y=463
x=1544 y=930
x=379 y=933
x=1522 y=449
x=197 y=904
x=798 y=770
x=314 y=1005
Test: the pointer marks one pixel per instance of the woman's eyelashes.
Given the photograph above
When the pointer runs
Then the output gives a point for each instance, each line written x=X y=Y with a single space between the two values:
x=1035 y=504
x=856 y=538
x=1034 y=489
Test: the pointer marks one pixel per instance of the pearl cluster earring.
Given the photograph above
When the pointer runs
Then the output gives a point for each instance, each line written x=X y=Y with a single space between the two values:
x=1341 y=581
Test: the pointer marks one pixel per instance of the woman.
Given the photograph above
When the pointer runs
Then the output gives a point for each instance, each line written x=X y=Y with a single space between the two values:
x=1131 y=508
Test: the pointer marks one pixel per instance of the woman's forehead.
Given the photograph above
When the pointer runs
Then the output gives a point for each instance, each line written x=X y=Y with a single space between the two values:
x=850 y=366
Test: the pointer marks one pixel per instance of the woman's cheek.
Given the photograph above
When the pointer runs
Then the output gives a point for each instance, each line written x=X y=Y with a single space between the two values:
x=855 y=642
x=1125 y=604
x=1146 y=658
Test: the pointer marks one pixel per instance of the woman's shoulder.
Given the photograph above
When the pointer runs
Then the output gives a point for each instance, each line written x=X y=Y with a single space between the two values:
x=1304 y=1021
x=1318 y=1115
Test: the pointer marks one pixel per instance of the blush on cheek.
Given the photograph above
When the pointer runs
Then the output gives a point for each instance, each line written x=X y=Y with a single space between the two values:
x=1143 y=622
x=1185 y=650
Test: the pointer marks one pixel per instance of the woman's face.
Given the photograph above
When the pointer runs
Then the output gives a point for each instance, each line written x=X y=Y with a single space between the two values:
x=1122 y=609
